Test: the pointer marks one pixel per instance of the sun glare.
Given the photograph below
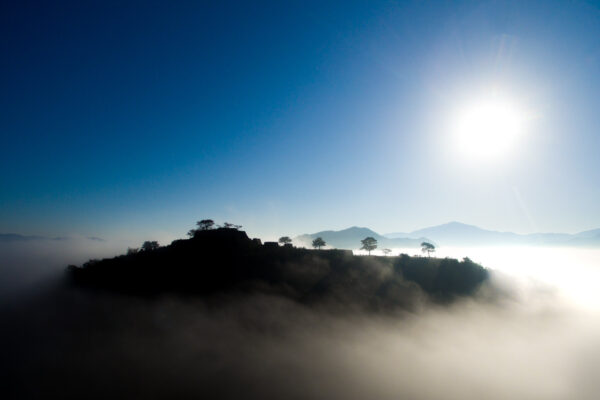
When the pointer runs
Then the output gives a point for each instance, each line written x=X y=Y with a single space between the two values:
x=488 y=130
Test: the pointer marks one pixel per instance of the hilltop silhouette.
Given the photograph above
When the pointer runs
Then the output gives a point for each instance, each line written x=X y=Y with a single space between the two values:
x=226 y=260
x=163 y=321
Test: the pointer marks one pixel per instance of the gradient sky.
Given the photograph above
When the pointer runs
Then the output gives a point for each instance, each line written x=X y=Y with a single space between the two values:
x=134 y=121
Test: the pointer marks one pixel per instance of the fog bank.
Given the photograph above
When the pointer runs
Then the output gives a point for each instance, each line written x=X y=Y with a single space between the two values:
x=535 y=338
x=25 y=264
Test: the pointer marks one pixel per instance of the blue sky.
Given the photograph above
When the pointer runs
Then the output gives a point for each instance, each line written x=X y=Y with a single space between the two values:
x=134 y=121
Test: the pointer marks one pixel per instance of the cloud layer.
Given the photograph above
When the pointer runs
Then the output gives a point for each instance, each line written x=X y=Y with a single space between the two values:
x=527 y=343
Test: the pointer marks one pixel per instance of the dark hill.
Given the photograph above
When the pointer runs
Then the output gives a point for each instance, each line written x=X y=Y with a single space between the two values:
x=227 y=261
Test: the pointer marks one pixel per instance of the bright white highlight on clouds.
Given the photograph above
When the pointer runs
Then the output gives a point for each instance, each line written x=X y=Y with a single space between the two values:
x=488 y=129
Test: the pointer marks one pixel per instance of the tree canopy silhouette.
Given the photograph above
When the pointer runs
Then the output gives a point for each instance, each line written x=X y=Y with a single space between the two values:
x=150 y=245
x=428 y=248
x=318 y=243
x=369 y=243
x=228 y=225
x=208 y=224
x=285 y=240
x=205 y=224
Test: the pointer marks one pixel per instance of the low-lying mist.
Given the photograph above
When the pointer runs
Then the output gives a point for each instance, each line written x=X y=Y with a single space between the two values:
x=24 y=265
x=531 y=334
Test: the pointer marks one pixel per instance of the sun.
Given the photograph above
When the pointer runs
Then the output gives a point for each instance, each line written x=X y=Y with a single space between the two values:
x=489 y=129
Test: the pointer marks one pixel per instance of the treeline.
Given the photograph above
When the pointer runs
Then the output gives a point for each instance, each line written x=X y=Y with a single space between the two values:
x=368 y=244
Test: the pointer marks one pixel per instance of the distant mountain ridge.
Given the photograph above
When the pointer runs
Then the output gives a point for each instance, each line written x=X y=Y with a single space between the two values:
x=459 y=234
x=16 y=237
x=449 y=234
x=350 y=239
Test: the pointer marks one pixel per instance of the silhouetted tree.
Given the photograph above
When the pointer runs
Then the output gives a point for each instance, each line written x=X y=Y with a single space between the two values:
x=150 y=245
x=228 y=225
x=428 y=248
x=285 y=240
x=318 y=243
x=386 y=251
x=192 y=232
x=369 y=243
x=205 y=224
x=132 y=250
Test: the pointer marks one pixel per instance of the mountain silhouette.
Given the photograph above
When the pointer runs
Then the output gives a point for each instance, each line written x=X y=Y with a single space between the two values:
x=16 y=237
x=459 y=234
x=350 y=239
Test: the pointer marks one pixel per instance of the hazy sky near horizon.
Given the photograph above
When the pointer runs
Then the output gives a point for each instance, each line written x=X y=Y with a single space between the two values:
x=136 y=120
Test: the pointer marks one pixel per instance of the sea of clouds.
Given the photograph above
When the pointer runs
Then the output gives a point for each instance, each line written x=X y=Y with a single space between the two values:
x=532 y=335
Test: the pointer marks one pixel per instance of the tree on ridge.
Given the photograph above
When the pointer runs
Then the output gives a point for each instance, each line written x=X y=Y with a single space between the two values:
x=369 y=243
x=205 y=224
x=318 y=243
x=285 y=240
x=428 y=248
x=150 y=245
x=228 y=225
